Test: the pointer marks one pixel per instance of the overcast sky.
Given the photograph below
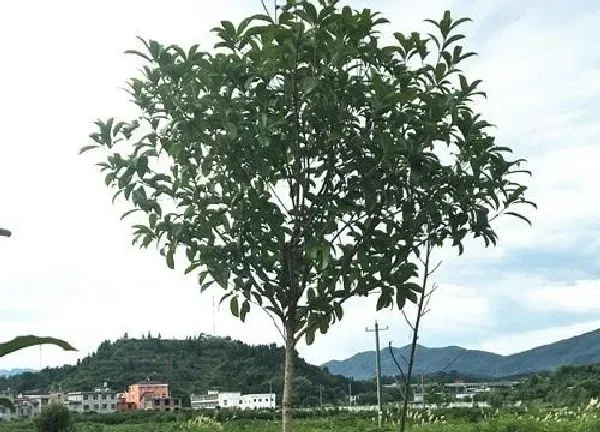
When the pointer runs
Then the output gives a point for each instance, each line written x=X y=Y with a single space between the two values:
x=70 y=270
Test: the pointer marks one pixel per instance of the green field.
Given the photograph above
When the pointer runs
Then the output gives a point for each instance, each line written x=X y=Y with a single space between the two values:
x=550 y=422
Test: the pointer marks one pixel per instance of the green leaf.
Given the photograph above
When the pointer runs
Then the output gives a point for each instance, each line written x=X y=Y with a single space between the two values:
x=464 y=86
x=193 y=267
x=459 y=22
x=453 y=39
x=233 y=305
x=519 y=216
x=86 y=148
x=139 y=54
x=6 y=402
x=400 y=299
x=170 y=260
x=325 y=256
x=206 y=285
x=310 y=84
x=337 y=309
x=245 y=309
x=440 y=70
x=5 y=233
x=21 y=342
x=152 y=220
x=127 y=213
x=202 y=277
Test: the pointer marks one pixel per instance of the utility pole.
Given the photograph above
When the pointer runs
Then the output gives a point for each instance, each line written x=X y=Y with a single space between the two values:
x=423 y=387
x=350 y=393
x=321 y=395
x=376 y=330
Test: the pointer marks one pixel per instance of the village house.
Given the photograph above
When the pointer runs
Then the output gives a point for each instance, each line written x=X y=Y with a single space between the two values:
x=149 y=396
x=101 y=400
x=215 y=399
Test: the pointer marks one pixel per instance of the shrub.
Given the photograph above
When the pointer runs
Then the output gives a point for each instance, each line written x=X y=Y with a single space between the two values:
x=54 y=418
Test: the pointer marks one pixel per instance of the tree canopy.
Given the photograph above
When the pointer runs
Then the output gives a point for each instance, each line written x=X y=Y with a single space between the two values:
x=303 y=162
x=304 y=153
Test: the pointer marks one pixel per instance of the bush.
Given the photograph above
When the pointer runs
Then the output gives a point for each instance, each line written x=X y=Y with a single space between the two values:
x=54 y=418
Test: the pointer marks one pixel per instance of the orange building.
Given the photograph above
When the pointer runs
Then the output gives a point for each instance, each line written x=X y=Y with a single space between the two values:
x=151 y=396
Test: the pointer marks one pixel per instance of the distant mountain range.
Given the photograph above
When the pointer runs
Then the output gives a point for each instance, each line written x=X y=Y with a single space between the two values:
x=11 y=372
x=582 y=349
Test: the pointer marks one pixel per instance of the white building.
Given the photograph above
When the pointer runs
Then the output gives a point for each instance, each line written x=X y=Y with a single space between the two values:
x=214 y=399
x=259 y=401
x=30 y=405
x=101 y=400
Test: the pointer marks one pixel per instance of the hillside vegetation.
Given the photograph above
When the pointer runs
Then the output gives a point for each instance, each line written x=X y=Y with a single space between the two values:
x=192 y=365
x=195 y=365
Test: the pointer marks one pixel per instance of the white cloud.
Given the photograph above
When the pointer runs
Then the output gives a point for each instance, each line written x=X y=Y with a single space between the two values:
x=581 y=296
x=514 y=343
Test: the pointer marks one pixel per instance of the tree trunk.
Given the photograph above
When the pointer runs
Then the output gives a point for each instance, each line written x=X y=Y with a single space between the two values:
x=415 y=339
x=286 y=409
x=413 y=348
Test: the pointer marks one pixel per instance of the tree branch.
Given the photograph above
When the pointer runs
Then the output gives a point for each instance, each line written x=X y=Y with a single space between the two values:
x=437 y=266
x=396 y=361
x=278 y=199
x=266 y=9
x=408 y=322
x=272 y=319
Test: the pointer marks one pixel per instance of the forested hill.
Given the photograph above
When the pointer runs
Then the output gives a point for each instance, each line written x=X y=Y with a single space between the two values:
x=579 y=350
x=192 y=365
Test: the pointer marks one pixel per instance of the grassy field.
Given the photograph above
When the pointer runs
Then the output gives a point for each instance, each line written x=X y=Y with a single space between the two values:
x=502 y=424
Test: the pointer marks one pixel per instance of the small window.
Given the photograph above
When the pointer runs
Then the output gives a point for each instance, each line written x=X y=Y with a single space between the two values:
x=96 y=407
x=95 y=397
x=86 y=407
x=113 y=406
x=104 y=406
x=103 y=397
x=167 y=409
x=85 y=397
x=240 y=402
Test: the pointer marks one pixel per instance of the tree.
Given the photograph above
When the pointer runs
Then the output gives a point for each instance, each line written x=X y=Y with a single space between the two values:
x=54 y=418
x=5 y=233
x=422 y=308
x=292 y=163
